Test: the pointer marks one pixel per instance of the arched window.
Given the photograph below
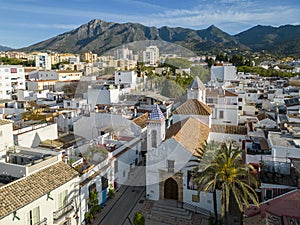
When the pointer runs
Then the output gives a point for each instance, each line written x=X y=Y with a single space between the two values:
x=153 y=139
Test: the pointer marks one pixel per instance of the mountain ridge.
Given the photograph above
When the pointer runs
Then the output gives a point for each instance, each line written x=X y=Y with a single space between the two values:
x=100 y=36
x=5 y=48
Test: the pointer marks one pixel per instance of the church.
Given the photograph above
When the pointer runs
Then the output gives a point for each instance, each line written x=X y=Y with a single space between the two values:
x=170 y=150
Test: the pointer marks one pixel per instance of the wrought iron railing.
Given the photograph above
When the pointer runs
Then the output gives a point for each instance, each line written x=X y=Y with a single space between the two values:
x=195 y=209
x=64 y=211
x=42 y=222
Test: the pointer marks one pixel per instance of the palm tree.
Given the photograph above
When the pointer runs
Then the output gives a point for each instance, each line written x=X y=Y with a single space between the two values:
x=202 y=176
x=227 y=173
x=235 y=180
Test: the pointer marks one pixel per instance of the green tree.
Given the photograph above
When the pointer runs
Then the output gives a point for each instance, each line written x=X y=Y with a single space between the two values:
x=139 y=219
x=204 y=156
x=227 y=173
x=200 y=71
x=94 y=207
x=237 y=60
x=210 y=61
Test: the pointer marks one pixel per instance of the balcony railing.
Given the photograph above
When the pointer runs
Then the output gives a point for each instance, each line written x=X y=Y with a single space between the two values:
x=42 y=222
x=64 y=211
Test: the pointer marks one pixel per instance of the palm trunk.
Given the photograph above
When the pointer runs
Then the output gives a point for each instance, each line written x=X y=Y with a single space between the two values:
x=242 y=218
x=225 y=218
x=215 y=206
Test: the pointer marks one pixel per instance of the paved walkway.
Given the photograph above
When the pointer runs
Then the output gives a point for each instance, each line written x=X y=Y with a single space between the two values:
x=131 y=198
x=122 y=203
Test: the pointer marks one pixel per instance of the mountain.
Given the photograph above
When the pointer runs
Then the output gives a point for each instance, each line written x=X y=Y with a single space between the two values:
x=4 y=48
x=281 y=40
x=100 y=36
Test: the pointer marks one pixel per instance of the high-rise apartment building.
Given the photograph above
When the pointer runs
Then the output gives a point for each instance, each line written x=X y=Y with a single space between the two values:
x=12 y=77
x=151 y=55
x=43 y=61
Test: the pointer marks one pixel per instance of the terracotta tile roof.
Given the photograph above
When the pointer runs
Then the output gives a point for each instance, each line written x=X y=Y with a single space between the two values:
x=26 y=190
x=141 y=121
x=286 y=206
x=4 y=122
x=263 y=116
x=193 y=107
x=230 y=94
x=219 y=92
x=229 y=129
x=257 y=220
x=190 y=133
x=214 y=92
x=264 y=144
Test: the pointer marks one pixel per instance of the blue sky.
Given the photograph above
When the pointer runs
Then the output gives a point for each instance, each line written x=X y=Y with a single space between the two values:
x=26 y=22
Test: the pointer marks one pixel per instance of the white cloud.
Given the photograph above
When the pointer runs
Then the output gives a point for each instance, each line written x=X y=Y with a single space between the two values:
x=47 y=26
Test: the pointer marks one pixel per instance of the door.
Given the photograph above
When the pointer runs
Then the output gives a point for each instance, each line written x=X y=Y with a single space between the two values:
x=171 y=189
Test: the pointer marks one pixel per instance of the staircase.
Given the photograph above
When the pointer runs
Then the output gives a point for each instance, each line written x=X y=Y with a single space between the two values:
x=171 y=208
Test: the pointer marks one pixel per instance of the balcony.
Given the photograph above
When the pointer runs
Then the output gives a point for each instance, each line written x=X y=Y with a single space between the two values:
x=42 y=222
x=63 y=212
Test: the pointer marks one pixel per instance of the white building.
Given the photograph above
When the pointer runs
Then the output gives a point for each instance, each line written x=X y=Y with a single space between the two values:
x=223 y=73
x=65 y=120
x=120 y=137
x=167 y=174
x=197 y=90
x=69 y=75
x=224 y=105
x=47 y=196
x=123 y=53
x=43 y=61
x=75 y=103
x=6 y=136
x=193 y=108
x=151 y=55
x=12 y=78
x=127 y=78
x=31 y=136
x=98 y=94
x=39 y=75
x=25 y=95
x=284 y=146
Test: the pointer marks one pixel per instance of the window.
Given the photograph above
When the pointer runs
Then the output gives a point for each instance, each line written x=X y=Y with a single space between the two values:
x=6 y=70
x=240 y=107
x=116 y=166
x=13 y=70
x=171 y=165
x=68 y=103
x=104 y=182
x=191 y=184
x=210 y=100
x=221 y=114
x=240 y=99
x=153 y=139
x=33 y=216
x=62 y=199
x=195 y=198
x=269 y=194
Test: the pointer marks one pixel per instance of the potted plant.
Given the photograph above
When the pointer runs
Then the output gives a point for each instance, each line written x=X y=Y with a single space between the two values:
x=111 y=191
